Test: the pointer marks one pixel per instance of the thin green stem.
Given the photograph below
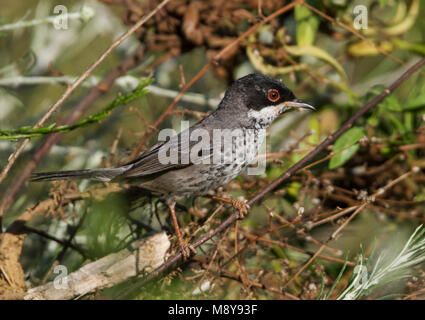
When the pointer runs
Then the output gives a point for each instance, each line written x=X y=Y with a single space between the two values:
x=29 y=132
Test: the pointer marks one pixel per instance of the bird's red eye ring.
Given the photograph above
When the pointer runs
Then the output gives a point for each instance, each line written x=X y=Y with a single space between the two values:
x=273 y=95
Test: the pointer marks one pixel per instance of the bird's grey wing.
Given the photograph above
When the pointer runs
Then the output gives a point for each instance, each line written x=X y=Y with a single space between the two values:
x=173 y=154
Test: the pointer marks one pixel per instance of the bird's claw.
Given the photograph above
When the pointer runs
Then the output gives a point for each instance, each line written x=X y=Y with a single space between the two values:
x=242 y=207
x=186 y=250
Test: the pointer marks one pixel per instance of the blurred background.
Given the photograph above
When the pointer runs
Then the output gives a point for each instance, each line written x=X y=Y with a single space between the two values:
x=334 y=54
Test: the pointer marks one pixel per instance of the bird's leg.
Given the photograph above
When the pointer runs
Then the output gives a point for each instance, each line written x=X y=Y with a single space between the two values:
x=241 y=206
x=184 y=247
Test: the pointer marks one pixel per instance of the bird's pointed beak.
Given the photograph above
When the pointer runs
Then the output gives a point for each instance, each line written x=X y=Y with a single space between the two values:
x=298 y=104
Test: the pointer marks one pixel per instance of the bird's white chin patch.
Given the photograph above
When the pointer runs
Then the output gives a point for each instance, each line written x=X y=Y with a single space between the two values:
x=266 y=115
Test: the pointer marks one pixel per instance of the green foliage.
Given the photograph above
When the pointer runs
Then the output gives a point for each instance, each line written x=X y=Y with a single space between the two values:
x=346 y=146
x=307 y=25
x=293 y=189
x=341 y=272
x=105 y=227
x=391 y=103
x=29 y=132
x=416 y=103
x=396 y=119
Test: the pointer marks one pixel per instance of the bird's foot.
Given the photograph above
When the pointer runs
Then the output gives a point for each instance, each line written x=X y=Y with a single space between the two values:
x=242 y=207
x=186 y=250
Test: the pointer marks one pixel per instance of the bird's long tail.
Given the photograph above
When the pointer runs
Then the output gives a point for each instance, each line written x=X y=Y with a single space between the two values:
x=106 y=174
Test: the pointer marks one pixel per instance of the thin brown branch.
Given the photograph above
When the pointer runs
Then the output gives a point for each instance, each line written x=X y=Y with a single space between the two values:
x=43 y=234
x=323 y=246
x=76 y=113
x=77 y=82
x=346 y=222
x=288 y=246
x=11 y=241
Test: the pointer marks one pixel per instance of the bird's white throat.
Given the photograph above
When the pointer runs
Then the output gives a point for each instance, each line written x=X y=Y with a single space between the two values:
x=264 y=117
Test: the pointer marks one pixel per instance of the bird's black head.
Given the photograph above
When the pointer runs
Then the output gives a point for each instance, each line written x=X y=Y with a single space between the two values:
x=261 y=97
x=260 y=91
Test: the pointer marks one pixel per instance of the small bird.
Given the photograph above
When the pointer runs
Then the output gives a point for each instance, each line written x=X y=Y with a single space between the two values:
x=191 y=162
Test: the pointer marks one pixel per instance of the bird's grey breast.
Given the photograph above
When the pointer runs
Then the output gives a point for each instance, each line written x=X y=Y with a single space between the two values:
x=238 y=148
x=220 y=147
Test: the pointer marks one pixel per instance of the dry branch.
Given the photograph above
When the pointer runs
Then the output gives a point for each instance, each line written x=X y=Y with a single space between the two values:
x=12 y=240
x=144 y=256
x=11 y=243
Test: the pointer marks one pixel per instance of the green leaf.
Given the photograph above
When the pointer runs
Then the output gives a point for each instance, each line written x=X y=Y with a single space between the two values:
x=279 y=252
x=404 y=45
x=346 y=146
x=307 y=25
x=385 y=150
x=391 y=103
x=276 y=265
x=398 y=126
x=274 y=172
x=322 y=286
x=293 y=189
x=301 y=12
x=341 y=272
x=319 y=53
x=383 y=3
x=416 y=103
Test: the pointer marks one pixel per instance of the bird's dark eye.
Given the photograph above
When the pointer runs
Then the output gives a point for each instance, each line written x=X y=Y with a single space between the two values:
x=273 y=95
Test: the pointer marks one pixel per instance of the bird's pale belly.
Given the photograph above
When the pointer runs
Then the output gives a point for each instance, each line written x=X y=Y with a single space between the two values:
x=193 y=180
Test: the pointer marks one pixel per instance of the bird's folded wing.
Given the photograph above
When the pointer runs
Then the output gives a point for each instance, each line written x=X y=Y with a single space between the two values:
x=173 y=154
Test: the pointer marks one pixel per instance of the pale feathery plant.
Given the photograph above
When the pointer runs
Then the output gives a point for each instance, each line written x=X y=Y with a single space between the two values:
x=363 y=282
